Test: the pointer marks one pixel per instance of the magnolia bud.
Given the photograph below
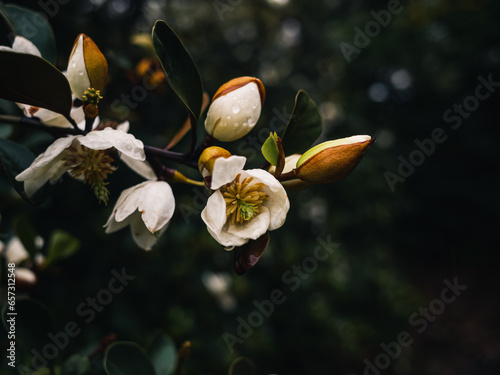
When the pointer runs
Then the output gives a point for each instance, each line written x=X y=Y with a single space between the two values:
x=87 y=66
x=208 y=157
x=333 y=160
x=290 y=163
x=235 y=109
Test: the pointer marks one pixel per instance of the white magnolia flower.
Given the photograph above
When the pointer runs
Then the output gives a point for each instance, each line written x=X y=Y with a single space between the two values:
x=246 y=204
x=147 y=208
x=47 y=117
x=85 y=157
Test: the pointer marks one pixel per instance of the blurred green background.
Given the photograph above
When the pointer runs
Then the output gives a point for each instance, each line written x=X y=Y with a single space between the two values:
x=396 y=246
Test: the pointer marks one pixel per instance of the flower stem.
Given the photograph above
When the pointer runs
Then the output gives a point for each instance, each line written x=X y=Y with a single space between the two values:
x=75 y=126
x=186 y=159
x=35 y=123
x=288 y=176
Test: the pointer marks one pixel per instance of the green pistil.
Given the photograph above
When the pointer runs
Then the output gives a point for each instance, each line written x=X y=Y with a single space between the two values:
x=247 y=210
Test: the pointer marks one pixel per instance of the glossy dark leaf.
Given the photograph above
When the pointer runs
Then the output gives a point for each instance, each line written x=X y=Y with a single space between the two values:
x=32 y=80
x=15 y=159
x=180 y=69
x=127 y=358
x=33 y=323
x=247 y=256
x=187 y=125
x=34 y=27
x=163 y=354
x=304 y=126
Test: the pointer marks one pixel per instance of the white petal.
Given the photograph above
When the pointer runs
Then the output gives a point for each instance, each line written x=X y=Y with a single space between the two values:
x=214 y=213
x=253 y=228
x=23 y=45
x=142 y=168
x=52 y=172
x=113 y=226
x=214 y=216
x=290 y=164
x=226 y=170
x=233 y=115
x=123 y=127
x=127 y=203
x=278 y=203
x=156 y=203
x=43 y=160
x=228 y=240
x=51 y=118
x=142 y=236
x=123 y=142
x=77 y=72
x=47 y=166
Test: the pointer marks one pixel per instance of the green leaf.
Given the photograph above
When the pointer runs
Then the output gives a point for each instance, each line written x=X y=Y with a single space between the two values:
x=61 y=246
x=270 y=149
x=34 y=27
x=15 y=159
x=75 y=365
x=26 y=233
x=127 y=358
x=179 y=67
x=33 y=323
x=163 y=354
x=242 y=366
x=304 y=126
x=32 y=80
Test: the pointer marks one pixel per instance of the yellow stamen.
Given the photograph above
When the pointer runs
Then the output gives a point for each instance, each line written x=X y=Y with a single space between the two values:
x=243 y=199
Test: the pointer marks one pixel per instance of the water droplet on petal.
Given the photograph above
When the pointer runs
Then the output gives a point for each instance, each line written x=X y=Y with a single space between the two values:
x=228 y=117
x=236 y=108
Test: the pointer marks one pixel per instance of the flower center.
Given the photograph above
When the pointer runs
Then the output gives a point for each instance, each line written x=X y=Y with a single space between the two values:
x=243 y=199
x=93 y=166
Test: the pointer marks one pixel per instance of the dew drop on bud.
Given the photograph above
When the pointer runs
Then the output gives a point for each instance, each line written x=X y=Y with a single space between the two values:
x=236 y=108
x=228 y=117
